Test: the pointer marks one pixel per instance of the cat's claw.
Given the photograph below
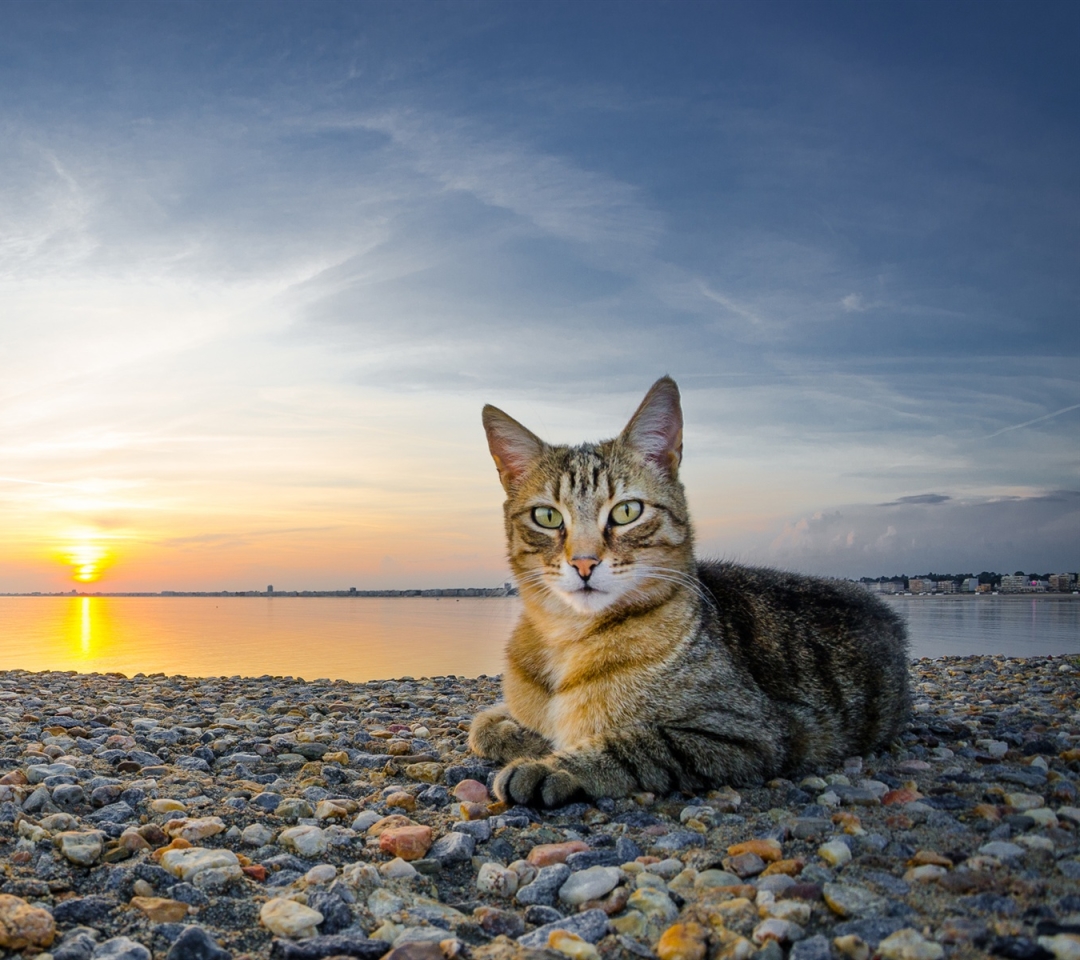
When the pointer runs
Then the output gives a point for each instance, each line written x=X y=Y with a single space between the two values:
x=537 y=783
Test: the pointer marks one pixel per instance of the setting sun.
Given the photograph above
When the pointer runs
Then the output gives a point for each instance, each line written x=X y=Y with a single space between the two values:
x=87 y=560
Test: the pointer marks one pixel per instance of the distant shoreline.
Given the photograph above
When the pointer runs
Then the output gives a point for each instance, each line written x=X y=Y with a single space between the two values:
x=459 y=593
x=438 y=592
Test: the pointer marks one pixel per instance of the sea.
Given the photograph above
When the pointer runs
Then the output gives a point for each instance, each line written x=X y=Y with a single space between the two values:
x=373 y=638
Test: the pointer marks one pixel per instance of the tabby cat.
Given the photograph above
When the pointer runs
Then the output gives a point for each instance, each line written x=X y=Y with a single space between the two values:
x=635 y=667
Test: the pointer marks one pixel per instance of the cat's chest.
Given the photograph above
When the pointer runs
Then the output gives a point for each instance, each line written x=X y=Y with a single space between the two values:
x=587 y=704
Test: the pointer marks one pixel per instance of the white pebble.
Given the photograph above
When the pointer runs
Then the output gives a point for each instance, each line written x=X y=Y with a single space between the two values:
x=835 y=853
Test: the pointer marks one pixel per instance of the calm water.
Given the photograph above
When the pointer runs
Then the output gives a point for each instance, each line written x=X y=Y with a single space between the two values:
x=371 y=638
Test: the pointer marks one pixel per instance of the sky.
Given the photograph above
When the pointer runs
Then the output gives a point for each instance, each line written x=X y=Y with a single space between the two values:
x=261 y=265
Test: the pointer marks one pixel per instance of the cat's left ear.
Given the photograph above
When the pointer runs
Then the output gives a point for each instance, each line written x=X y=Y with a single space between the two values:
x=655 y=430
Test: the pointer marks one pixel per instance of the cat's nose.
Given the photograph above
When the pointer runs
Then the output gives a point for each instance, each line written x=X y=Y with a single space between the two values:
x=584 y=566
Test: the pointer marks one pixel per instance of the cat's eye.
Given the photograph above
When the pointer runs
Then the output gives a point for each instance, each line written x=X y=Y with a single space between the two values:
x=547 y=517
x=626 y=512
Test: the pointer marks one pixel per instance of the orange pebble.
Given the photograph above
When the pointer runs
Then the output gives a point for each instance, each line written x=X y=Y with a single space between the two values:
x=409 y=843
x=545 y=854
x=768 y=850
x=791 y=868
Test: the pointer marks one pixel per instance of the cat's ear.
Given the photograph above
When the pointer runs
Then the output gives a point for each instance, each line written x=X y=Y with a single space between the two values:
x=655 y=430
x=512 y=446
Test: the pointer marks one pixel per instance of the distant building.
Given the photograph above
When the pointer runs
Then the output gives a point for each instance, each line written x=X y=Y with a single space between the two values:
x=970 y=585
x=984 y=588
x=946 y=586
x=270 y=588
x=918 y=585
x=1012 y=583
x=1062 y=582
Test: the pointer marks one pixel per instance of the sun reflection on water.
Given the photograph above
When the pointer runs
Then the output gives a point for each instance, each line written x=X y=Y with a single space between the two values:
x=88 y=629
x=86 y=633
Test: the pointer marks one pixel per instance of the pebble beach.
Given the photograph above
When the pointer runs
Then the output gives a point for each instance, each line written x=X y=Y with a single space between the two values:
x=207 y=819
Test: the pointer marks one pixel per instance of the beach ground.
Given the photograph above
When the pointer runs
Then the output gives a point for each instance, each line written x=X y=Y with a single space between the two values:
x=204 y=818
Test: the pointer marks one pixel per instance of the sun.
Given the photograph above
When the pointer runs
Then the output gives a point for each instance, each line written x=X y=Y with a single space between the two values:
x=87 y=560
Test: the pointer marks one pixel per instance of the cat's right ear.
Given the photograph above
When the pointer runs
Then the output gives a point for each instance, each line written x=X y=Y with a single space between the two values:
x=512 y=446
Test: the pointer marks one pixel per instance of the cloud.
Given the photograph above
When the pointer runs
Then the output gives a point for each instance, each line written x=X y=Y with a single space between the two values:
x=919 y=498
x=1039 y=532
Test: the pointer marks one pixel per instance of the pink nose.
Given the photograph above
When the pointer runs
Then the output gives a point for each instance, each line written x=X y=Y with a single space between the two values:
x=584 y=566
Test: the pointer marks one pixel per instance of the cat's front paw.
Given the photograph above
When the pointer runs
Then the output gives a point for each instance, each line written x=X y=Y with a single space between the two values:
x=537 y=783
x=497 y=735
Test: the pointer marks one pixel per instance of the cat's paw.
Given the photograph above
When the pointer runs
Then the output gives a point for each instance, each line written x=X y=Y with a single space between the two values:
x=537 y=783
x=497 y=735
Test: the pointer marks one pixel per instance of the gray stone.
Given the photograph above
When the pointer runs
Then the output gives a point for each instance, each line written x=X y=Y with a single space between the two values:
x=626 y=850
x=872 y=930
x=590 y=925
x=79 y=944
x=679 y=840
x=452 y=848
x=479 y=830
x=39 y=801
x=192 y=765
x=545 y=886
x=194 y=943
x=336 y=913
x=589 y=884
x=816 y=947
x=118 y=812
x=1002 y=850
x=120 y=948
x=596 y=858
x=856 y=796
x=68 y=795
x=90 y=911
x=338 y=945
x=38 y=772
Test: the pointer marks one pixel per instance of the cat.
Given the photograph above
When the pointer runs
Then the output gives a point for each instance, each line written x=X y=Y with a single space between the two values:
x=635 y=667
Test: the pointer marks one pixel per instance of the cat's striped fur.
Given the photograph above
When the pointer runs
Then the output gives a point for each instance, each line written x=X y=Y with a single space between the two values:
x=634 y=667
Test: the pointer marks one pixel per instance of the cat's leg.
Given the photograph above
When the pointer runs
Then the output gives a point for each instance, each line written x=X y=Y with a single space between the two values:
x=494 y=733
x=659 y=760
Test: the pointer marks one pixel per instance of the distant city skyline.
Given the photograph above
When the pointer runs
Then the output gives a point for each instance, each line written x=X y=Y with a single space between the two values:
x=261 y=265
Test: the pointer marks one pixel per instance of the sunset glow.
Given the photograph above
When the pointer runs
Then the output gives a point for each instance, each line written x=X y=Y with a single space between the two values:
x=255 y=292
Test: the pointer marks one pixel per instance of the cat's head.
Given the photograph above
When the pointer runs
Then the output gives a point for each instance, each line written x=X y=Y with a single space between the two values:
x=601 y=525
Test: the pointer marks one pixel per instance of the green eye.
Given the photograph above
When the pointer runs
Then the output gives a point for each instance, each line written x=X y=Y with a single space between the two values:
x=547 y=517
x=626 y=512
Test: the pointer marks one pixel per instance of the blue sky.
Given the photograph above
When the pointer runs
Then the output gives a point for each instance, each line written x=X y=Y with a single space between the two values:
x=262 y=264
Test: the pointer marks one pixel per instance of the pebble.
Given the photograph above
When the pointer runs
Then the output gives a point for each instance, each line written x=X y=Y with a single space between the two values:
x=908 y=944
x=589 y=884
x=287 y=918
x=306 y=840
x=170 y=811
x=80 y=848
x=835 y=853
x=407 y=843
x=682 y=941
x=23 y=926
x=497 y=880
x=545 y=887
